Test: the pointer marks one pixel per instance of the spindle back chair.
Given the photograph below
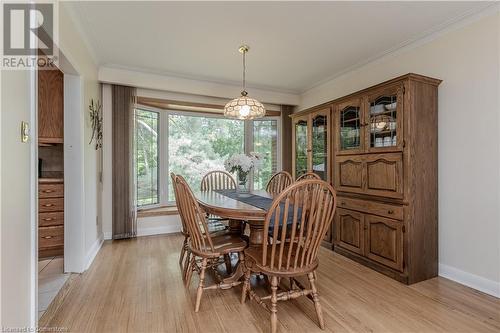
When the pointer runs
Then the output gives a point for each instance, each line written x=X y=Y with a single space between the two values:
x=278 y=182
x=202 y=244
x=308 y=175
x=297 y=220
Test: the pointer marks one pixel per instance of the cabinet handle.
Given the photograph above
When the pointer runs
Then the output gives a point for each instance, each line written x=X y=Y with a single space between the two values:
x=47 y=191
x=390 y=211
x=48 y=205
x=342 y=203
x=48 y=219
x=47 y=237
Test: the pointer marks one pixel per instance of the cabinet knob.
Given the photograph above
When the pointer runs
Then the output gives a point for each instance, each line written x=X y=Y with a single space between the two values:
x=390 y=211
x=48 y=205
x=342 y=203
x=48 y=191
x=48 y=219
x=47 y=237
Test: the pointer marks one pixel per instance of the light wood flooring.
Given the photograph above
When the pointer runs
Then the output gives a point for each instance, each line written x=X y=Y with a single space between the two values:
x=135 y=286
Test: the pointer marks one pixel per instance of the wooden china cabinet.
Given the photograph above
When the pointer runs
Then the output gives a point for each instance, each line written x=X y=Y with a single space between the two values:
x=384 y=168
x=311 y=148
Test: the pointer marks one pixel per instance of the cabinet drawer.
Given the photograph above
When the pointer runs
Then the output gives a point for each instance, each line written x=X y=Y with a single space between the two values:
x=50 y=236
x=51 y=190
x=50 y=205
x=50 y=219
x=371 y=207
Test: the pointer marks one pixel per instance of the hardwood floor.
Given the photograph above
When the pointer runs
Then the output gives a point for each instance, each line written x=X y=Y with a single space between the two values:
x=136 y=286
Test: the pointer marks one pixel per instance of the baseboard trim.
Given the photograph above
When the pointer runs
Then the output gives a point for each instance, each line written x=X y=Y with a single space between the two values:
x=473 y=281
x=158 y=230
x=91 y=254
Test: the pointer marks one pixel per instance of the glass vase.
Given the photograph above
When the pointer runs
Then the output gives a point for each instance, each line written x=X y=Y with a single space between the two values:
x=243 y=185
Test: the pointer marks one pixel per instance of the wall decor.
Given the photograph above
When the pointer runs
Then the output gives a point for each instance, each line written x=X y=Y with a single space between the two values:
x=96 y=123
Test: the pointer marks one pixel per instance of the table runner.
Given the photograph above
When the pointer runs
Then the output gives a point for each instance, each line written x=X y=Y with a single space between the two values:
x=262 y=203
x=250 y=199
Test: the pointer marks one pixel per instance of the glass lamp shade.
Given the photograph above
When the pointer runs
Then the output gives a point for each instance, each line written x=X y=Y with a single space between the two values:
x=244 y=108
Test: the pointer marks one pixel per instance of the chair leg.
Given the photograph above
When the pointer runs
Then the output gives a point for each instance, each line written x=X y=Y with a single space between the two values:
x=201 y=284
x=246 y=283
x=319 y=313
x=183 y=250
x=274 y=301
x=190 y=268
x=227 y=261
x=187 y=263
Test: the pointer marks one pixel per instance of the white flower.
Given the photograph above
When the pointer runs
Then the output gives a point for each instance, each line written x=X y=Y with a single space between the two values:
x=243 y=163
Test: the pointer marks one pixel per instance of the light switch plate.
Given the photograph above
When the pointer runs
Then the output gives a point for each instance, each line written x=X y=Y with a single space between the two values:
x=25 y=131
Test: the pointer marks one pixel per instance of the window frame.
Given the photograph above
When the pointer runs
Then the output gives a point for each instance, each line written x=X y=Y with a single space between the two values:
x=158 y=149
x=164 y=180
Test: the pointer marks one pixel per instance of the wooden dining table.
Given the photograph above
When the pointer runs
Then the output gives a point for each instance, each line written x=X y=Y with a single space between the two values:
x=236 y=211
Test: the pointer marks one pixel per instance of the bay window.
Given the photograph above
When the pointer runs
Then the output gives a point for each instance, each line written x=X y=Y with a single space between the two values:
x=191 y=145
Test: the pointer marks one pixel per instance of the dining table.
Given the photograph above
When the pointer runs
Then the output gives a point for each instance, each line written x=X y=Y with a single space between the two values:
x=238 y=208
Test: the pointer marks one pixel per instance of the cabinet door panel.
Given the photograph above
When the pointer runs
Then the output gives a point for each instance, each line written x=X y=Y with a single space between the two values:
x=320 y=141
x=384 y=114
x=349 y=126
x=349 y=231
x=384 y=175
x=384 y=241
x=50 y=105
x=300 y=146
x=349 y=173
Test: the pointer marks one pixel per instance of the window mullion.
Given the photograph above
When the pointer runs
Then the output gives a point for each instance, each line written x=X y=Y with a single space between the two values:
x=164 y=179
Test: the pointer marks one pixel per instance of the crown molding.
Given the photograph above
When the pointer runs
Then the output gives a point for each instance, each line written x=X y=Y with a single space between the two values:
x=202 y=79
x=424 y=38
x=153 y=81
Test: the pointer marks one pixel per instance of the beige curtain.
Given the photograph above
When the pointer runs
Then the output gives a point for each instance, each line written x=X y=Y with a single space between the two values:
x=124 y=187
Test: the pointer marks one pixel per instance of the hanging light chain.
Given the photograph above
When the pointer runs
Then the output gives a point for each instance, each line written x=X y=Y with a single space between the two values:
x=244 y=71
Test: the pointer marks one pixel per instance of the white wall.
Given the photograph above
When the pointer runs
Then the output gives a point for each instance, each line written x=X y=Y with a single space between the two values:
x=467 y=60
x=73 y=47
x=16 y=233
x=18 y=300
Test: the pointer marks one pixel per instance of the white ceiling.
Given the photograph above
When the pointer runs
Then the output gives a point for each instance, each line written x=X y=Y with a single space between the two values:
x=294 y=45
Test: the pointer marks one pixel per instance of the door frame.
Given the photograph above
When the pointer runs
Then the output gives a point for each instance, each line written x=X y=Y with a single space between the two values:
x=74 y=146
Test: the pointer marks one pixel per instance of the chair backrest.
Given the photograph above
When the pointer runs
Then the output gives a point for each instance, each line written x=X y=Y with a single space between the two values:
x=278 y=182
x=174 y=185
x=308 y=175
x=217 y=180
x=297 y=221
x=193 y=217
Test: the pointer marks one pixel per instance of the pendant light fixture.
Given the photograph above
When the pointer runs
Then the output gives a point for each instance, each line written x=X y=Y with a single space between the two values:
x=244 y=107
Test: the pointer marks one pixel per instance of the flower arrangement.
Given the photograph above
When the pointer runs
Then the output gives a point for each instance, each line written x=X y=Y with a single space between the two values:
x=242 y=164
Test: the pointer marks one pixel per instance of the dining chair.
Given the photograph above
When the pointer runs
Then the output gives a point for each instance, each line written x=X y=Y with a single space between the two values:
x=203 y=245
x=299 y=219
x=184 y=232
x=308 y=175
x=219 y=180
x=214 y=227
x=278 y=182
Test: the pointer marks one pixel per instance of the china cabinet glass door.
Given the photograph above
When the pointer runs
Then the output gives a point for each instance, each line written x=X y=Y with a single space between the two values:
x=301 y=147
x=384 y=119
x=319 y=145
x=350 y=122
